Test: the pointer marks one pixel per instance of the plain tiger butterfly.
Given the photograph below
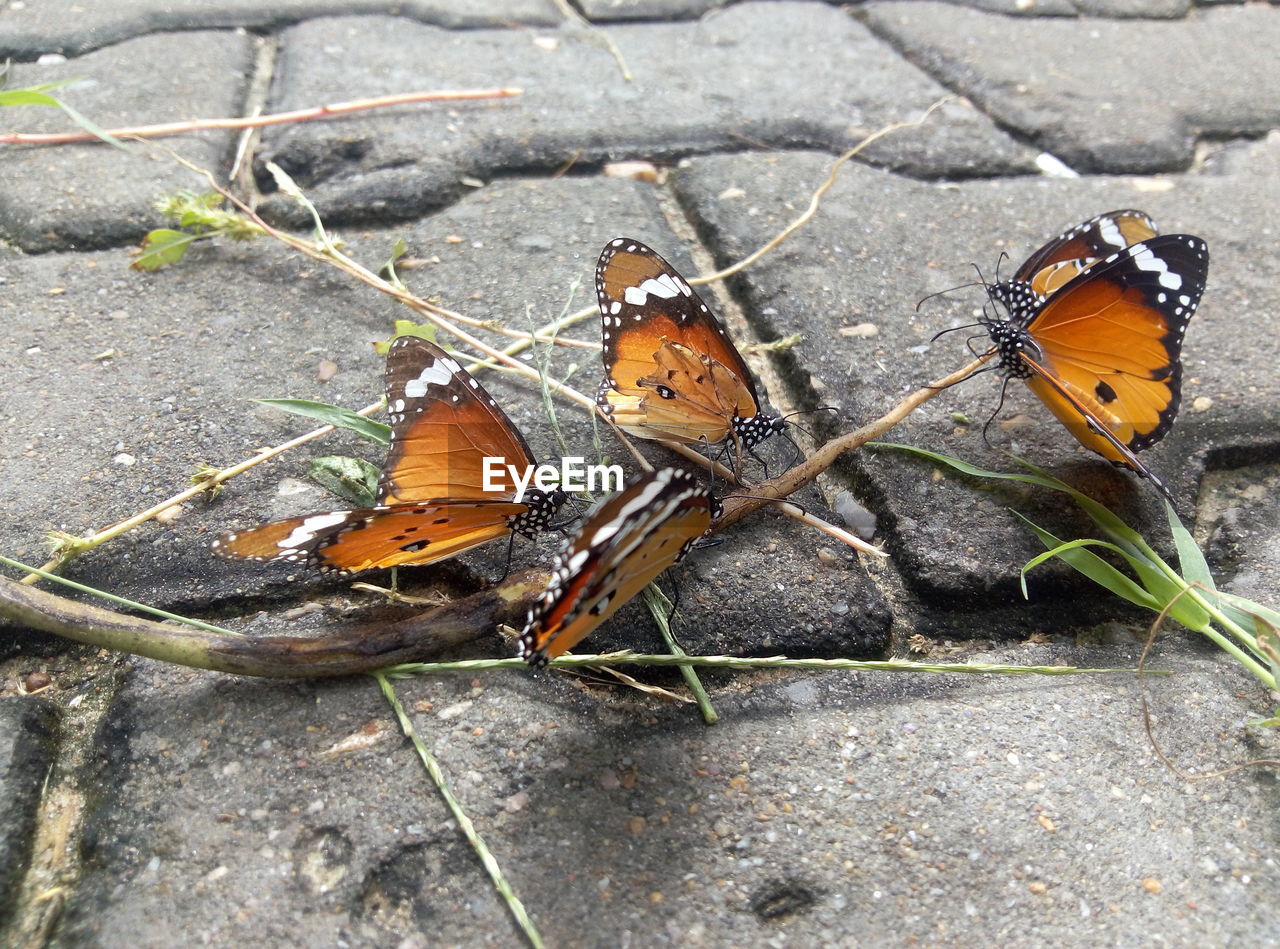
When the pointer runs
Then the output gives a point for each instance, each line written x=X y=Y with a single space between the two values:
x=624 y=542
x=1095 y=324
x=432 y=503
x=671 y=370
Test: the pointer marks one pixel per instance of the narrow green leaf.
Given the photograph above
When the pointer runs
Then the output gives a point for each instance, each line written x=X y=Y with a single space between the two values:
x=351 y=478
x=333 y=415
x=388 y=269
x=1090 y=565
x=1193 y=567
x=1118 y=529
x=92 y=127
x=162 y=247
x=27 y=97
x=1245 y=613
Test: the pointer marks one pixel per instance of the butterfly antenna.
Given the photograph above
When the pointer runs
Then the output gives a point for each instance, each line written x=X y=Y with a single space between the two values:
x=963 y=286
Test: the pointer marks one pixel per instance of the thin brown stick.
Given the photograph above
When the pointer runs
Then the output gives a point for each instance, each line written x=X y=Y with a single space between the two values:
x=259 y=121
x=737 y=506
x=808 y=213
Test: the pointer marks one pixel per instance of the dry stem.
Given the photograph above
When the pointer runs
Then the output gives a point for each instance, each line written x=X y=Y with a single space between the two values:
x=257 y=121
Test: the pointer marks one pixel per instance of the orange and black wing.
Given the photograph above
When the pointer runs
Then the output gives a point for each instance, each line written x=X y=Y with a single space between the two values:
x=671 y=370
x=1071 y=253
x=1093 y=239
x=432 y=502
x=624 y=542
x=443 y=427
x=383 y=536
x=1104 y=351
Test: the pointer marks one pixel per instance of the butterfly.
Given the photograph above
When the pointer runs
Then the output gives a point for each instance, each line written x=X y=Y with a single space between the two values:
x=671 y=370
x=432 y=500
x=1095 y=324
x=625 y=541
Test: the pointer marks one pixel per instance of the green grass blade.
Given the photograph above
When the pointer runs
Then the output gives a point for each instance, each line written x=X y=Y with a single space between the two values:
x=334 y=415
x=1194 y=568
x=119 y=600
x=36 y=95
x=1113 y=525
x=1090 y=565
x=658 y=605
x=514 y=905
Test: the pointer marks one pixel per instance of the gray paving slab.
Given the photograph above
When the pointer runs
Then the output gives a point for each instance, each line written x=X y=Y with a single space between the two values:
x=834 y=809
x=881 y=243
x=824 y=810
x=32 y=29
x=27 y=751
x=725 y=82
x=1144 y=91
x=90 y=195
x=609 y=11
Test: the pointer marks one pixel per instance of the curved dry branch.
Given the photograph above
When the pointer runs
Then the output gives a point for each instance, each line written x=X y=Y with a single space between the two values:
x=349 y=650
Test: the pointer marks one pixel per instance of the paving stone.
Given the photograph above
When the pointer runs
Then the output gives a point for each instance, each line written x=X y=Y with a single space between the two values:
x=31 y=29
x=881 y=243
x=948 y=810
x=1103 y=96
x=512 y=251
x=606 y=11
x=92 y=195
x=27 y=726
x=724 y=82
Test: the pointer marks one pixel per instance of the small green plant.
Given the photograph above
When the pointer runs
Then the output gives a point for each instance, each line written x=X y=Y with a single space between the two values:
x=201 y=217
x=1186 y=594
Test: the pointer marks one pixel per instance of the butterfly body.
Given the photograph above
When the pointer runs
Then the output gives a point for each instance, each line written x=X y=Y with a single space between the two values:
x=1098 y=336
x=671 y=371
x=624 y=542
x=432 y=501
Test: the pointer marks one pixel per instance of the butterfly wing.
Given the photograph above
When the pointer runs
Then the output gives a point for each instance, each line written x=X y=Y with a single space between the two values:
x=443 y=427
x=383 y=536
x=1090 y=240
x=651 y=321
x=432 y=502
x=1104 y=351
x=1069 y=254
x=623 y=544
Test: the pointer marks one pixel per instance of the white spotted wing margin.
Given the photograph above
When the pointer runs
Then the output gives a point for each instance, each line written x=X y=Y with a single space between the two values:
x=624 y=542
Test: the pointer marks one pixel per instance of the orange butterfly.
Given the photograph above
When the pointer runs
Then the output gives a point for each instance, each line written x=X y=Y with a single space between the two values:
x=671 y=370
x=1095 y=324
x=432 y=502
x=625 y=541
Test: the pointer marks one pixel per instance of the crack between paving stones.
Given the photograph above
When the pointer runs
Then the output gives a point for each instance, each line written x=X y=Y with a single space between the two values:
x=917 y=62
x=782 y=384
x=66 y=804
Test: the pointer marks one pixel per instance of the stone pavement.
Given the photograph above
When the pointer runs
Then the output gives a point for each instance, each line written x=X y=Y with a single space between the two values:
x=149 y=805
